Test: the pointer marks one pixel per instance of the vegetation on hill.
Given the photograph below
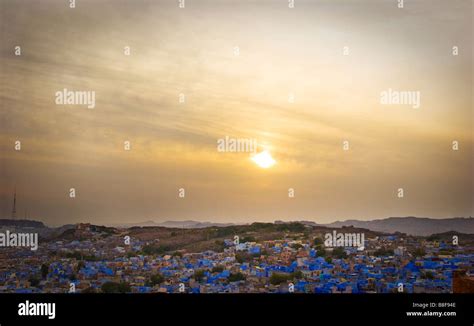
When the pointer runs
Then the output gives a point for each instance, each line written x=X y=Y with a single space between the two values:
x=114 y=287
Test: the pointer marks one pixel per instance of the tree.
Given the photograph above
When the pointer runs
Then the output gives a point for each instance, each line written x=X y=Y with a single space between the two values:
x=318 y=241
x=419 y=252
x=383 y=252
x=291 y=227
x=339 y=253
x=236 y=277
x=297 y=246
x=34 y=282
x=278 y=278
x=242 y=257
x=44 y=270
x=321 y=252
x=150 y=250
x=114 y=287
x=217 y=269
x=155 y=279
x=297 y=275
x=248 y=239
x=75 y=254
x=199 y=275
x=219 y=246
x=80 y=265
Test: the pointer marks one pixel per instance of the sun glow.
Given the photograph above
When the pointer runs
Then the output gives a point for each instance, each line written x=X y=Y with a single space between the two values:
x=264 y=160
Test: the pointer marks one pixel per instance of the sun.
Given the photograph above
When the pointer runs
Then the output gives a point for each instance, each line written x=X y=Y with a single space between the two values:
x=264 y=160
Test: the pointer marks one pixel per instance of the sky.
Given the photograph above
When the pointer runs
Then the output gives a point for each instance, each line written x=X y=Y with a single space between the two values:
x=237 y=64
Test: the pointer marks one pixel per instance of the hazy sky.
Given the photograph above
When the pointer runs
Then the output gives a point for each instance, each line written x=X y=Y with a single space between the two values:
x=192 y=51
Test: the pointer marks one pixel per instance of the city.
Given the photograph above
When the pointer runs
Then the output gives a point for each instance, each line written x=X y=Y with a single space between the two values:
x=259 y=258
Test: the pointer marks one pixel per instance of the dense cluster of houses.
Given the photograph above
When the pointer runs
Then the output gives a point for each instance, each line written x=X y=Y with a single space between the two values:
x=275 y=266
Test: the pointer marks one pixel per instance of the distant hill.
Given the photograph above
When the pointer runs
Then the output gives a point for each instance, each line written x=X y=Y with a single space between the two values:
x=188 y=224
x=448 y=236
x=419 y=226
x=212 y=238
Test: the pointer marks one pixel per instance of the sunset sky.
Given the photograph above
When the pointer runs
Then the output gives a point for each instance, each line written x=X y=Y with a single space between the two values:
x=192 y=51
